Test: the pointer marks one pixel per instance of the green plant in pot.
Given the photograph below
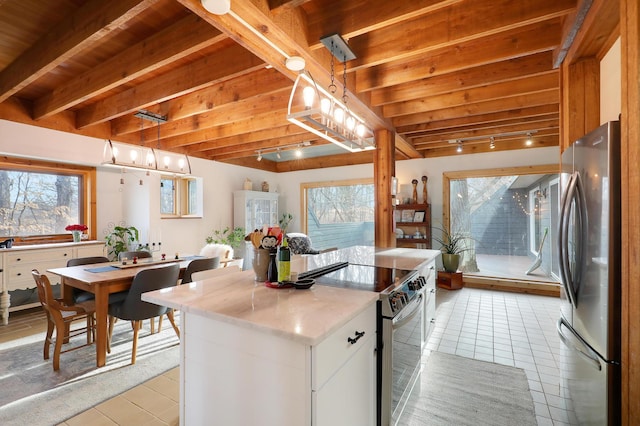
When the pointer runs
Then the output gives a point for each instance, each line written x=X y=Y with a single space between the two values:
x=120 y=239
x=452 y=244
x=233 y=237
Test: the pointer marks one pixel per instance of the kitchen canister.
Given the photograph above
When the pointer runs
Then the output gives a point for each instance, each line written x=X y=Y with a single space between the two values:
x=260 y=264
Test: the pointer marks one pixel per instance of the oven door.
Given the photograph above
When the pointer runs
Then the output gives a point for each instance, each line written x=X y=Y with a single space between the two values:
x=401 y=355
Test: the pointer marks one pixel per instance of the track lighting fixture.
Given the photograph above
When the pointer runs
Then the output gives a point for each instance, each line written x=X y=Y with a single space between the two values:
x=492 y=143
x=278 y=154
x=278 y=150
x=529 y=141
x=459 y=148
x=492 y=139
x=259 y=158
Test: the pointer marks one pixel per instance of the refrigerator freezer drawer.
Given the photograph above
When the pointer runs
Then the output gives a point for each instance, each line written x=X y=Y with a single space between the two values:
x=588 y=383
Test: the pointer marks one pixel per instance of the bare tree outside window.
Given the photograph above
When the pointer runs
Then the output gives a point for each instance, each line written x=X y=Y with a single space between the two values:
x=36 y=203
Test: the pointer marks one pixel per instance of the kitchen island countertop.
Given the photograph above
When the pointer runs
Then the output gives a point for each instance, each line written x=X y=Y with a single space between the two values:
x=307 y=316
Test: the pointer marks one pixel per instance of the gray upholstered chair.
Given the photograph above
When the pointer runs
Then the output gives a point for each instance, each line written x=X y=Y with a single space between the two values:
x=133 y=309
x=140 y=254
x=60 y=317
x=198 y=265
x=81 y=295
x=300 y=243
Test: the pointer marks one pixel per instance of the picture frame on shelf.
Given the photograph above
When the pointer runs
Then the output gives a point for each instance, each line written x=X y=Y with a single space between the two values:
x=407 y=215
x=418 y=216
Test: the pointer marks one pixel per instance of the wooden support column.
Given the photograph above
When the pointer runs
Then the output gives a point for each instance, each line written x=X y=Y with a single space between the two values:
x=384 y=168
x=580 y=104
x=630 y=147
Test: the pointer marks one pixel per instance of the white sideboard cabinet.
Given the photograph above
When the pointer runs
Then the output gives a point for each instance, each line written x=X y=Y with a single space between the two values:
x=17 y=262
x=253 y=210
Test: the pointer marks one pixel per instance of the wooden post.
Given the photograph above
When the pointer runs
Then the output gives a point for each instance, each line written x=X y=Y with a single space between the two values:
x=384 y=168
x=630 y=147
x=580 y=100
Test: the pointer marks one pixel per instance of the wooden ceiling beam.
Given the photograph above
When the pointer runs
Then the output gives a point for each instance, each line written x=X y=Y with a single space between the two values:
x=480 y=120
x=455 y=24
x=531 y=39
x=249 y=150
x=67 y=38
x=226 y=114
x=286 y=32
x=480 y=94
x=473 y=133
x=450 y=151
x=340 y=17
x=483 y=75
x=175 y=42
x=262 y=82
x=223 y=65
x=547 y=97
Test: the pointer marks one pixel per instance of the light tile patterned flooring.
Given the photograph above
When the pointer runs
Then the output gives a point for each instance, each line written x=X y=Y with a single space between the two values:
x=506 y=328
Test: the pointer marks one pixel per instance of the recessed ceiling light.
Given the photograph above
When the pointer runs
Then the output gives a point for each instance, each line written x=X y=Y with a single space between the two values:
x=295 y=63
x=217 y=7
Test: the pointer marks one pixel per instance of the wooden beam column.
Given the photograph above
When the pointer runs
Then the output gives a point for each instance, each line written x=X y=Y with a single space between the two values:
x=580 y=99
x=384 y=168
x=630 y=147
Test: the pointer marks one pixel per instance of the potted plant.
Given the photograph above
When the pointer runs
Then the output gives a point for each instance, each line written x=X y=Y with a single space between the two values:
x=120 y=239
x=230 y=236
x=452 y=244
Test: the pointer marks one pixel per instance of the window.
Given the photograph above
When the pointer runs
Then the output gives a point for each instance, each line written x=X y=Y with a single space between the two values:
x=180 y=196
x=510 y=217
x=39 y=199
x=339 y=214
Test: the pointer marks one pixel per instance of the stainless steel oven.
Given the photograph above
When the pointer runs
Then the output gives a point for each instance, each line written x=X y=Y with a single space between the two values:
x=400 y=326
x=402 y=340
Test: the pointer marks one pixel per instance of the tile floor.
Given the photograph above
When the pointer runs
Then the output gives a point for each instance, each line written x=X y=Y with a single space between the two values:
x=507 y=328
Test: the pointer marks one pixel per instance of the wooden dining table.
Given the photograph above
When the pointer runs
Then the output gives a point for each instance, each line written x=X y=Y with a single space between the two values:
x=103 y=279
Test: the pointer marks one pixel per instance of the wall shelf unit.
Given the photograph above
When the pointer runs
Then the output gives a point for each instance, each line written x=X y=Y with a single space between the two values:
x=409 y=220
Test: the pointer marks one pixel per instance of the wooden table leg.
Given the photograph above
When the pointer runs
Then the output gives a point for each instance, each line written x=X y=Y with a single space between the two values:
x=102 y=307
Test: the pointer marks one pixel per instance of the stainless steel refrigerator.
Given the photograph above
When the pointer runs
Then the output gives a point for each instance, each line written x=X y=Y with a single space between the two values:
x=589 y=247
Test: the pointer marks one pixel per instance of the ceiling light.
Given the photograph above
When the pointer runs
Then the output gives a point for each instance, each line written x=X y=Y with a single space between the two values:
x=143 y=157
x=529 y=141
x=259 y=158
x=278 y=154
x=298 y=152
x=459 y=148
x=492 y=143
x=217 y=7
x=322 y=113
x=295 y=63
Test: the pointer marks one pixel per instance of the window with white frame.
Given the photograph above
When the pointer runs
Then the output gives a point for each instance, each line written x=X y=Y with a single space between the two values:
x=180 y=196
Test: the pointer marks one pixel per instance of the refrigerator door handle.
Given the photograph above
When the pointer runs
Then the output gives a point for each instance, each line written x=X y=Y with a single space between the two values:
x=563 y=237
x=584 y=350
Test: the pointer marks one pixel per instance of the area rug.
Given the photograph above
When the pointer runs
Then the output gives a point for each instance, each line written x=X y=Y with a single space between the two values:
x=454 y=390
x=32 y=393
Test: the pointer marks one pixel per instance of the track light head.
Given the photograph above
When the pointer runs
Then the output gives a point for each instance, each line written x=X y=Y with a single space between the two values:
x=259 y=158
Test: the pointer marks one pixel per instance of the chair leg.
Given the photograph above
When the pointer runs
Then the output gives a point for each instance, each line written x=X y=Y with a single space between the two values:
x=136 y=327
x=159 y=323
x=47 y=339
x=60 y=337
x=112 y=320
x=173 y=323
x=89 y=328
x=152 y=325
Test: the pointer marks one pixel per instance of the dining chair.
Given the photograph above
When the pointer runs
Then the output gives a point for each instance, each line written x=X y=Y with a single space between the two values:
x=81 y=295
x=199 y=265
x=133 y=309
x=212 y=273
x=60 y=317
x=140 y=254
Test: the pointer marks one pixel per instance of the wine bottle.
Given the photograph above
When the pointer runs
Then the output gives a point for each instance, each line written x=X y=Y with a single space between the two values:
x=272 y=272
x=284 y=262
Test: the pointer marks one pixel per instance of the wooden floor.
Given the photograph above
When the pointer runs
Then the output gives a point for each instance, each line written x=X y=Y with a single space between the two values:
x=155 y=402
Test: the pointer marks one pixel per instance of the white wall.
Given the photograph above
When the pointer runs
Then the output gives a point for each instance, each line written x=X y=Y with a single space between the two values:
x=610 y=84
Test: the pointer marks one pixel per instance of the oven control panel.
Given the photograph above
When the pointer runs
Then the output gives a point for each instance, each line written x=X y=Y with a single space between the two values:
x=394 y=300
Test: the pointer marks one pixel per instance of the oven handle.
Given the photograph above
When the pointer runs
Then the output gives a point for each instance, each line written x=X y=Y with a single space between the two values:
x=399 y=322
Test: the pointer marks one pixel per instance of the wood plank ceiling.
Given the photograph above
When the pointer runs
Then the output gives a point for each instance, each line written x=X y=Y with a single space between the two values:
x=432 y=71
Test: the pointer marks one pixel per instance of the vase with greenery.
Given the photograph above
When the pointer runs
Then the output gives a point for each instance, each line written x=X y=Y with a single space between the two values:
x=229 y=236
x=452 y=244
x=120 y=239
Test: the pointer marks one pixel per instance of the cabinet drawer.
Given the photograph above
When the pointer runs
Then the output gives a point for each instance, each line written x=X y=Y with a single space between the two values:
x=90 y=250
x=332 y=353
x=38 y=256
x=19 y=276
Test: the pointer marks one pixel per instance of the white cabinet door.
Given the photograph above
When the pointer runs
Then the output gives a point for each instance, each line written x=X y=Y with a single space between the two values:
x=348 y=397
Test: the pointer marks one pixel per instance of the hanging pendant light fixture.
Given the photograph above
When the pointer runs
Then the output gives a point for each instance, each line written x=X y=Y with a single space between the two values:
x=142 y=157
x=322 y=113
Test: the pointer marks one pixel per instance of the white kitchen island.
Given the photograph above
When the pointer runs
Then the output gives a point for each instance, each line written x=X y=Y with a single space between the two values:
x=253 y=355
